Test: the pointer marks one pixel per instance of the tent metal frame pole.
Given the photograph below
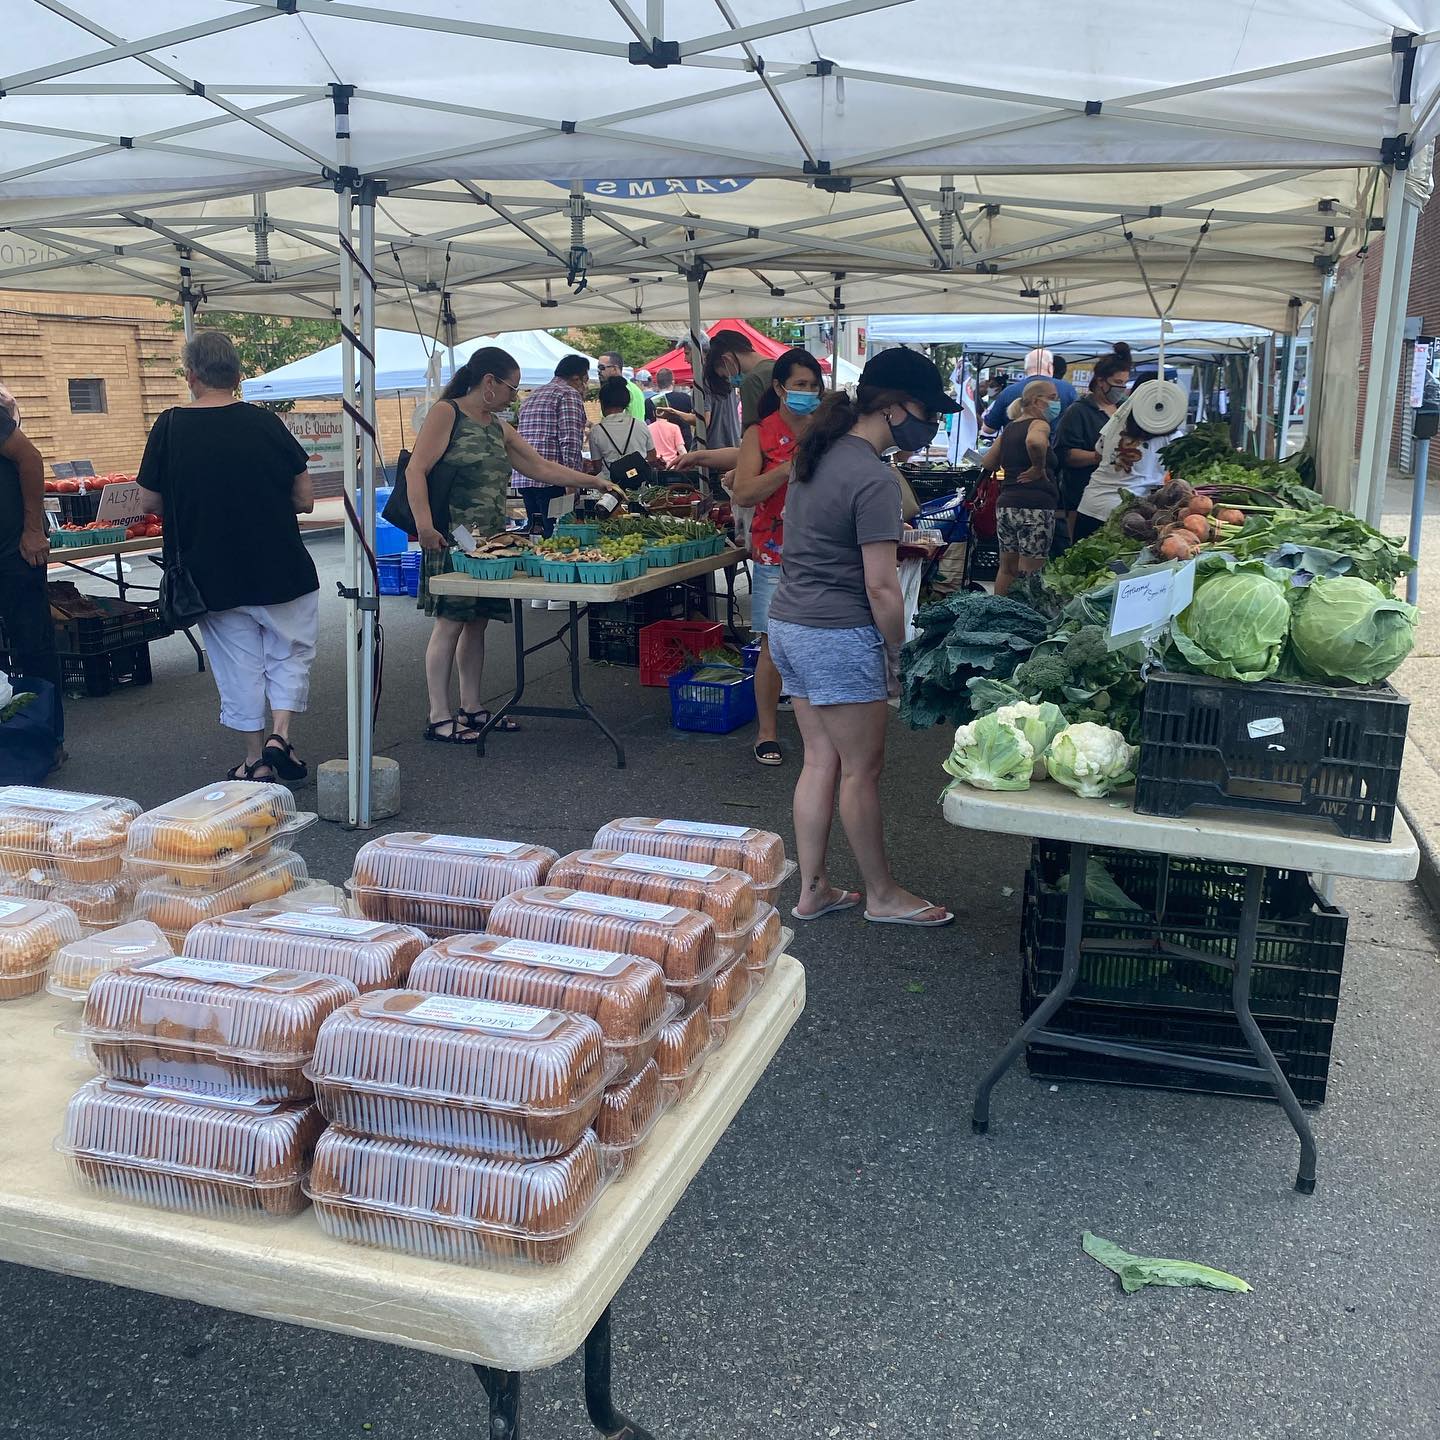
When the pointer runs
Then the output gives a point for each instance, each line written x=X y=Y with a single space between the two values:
x=1287 y=384
x=368 y=603
x=1409 y=220
x=1315 y=361
x=695 y=345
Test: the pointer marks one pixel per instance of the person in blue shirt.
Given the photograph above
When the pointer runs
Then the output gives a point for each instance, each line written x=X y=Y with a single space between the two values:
x=1039 y=365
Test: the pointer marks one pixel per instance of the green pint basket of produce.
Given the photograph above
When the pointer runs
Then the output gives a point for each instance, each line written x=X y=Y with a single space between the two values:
x=557 y=572
x=600 y=572
x=582 y=534
x=483 y=568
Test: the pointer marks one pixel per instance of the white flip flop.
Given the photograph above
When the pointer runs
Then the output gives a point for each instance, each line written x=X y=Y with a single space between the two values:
x=848 y=900
x=910 y=918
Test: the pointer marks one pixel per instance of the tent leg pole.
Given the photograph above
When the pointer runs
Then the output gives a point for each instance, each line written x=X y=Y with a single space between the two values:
x=1417 y=516
x=1287 y=385
x=1410 y=215
x=368 y=603
x=694 y=344
x=1315 y=362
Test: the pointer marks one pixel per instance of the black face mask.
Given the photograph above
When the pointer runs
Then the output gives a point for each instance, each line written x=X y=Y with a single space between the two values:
x=913 y=434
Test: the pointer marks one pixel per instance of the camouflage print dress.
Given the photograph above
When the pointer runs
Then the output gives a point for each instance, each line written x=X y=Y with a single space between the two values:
x=481 y=468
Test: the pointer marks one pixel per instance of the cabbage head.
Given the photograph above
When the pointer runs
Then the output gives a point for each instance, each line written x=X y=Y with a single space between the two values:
x=1092 y=760
x=991 y=754
x=1235 y=626
x=1039 y=724
x=1349 y=629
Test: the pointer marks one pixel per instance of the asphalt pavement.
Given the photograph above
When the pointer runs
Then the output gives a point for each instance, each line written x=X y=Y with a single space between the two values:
x=851 y=1261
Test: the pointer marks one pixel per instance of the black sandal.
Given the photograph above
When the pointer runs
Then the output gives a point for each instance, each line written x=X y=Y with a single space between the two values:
x=252 y=772
x=768 y=752
x=479 y=719
x=282 y=759
x=432 y=732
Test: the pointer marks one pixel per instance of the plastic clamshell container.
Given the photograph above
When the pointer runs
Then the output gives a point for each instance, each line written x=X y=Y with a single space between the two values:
x=178 y=908
x=443 y=1205
x=313 y=897
x=684 y=944
x=729 y=997
x=726 y=896
x=99 y=904
x=623 y=994
x=629 y=1113
x=760 y=854
x=208 y=1157
x=685 y=1045
x=202 y=838
x=31 y=931
x=82 y=836
x=370 y=954
x=759 y=942
x=76 y=965
x=445 y=884
x=206 y=1028
x=509 y=1081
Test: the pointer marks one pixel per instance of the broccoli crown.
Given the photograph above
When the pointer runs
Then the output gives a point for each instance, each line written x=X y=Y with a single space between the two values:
x=1045 y=672
x=1086 y=647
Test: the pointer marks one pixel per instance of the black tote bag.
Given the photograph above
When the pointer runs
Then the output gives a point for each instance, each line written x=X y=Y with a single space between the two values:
x=180 y=602
x=397 y=511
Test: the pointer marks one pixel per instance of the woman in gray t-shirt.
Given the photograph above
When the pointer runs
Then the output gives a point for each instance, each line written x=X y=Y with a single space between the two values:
x=837 y=624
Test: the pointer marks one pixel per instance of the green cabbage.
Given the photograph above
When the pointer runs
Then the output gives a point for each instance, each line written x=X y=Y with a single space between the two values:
x=1349 y=629
x=1236 y=624
x=991 y=754
x=1092 y=760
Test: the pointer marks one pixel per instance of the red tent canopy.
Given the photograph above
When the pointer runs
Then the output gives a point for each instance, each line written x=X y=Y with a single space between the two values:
x=677 y=361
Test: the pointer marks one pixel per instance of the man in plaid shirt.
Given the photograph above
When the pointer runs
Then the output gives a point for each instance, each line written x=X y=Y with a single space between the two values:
x=552 y=419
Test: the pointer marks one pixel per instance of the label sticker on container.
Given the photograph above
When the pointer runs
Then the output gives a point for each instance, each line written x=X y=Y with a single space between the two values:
x=1272 y=725
x=471 y=845
x=563 y=957
x=215 y=795
x=697 y=827
x=132 y=950
x=338 y=926
x=215 y=971
x=613 y=905
x=33 y=798
x=480 y=1014
x=249 y=1104
x=10 y=908
x=654 y=865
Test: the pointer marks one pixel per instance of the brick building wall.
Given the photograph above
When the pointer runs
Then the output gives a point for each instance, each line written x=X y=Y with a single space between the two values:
x=46 y=341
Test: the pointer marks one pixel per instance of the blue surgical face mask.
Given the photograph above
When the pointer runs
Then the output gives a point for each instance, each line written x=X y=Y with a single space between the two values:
x=737 y=379
x=802 y=402
x=1053 y=409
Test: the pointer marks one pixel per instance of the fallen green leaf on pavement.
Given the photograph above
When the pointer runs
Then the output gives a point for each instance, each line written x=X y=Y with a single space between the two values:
x=916 y=987
x=1137 y=1271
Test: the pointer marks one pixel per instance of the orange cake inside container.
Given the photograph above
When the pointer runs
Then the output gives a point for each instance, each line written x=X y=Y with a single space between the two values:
x=81 y=836
x=444 y=1205
x=314 y=897
x=629 y=1112
x=475 y=1075
x=31 y=931
x=760 y=942
x=729 y=997
x=209 y=1028
x=177 y=908
x=76 y=965
x=371 y=954
x=624 y=994
x=204 y=1156
x=726 y=896
x=204 y=837
x=685 y=1044
x=99 y=904
x=760 y=854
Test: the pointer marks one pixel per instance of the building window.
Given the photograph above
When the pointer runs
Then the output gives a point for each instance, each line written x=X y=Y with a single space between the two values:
x=87 y=397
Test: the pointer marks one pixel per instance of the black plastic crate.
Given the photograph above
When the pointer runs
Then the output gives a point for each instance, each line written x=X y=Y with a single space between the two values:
x=983 y=560
x=79 y=509
x=614 y=629
x=97 y=675
x=124 y=624
x=1328 y=752
x=1300 y=945
x=1301 y=1047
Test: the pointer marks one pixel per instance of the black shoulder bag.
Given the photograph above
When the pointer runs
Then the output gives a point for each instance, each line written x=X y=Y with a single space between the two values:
x=180 y=601
x=632 y=470
x=397 y=509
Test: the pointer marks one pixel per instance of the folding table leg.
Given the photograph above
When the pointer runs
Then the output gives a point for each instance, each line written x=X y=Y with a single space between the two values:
x=1069 y=973
x=503 y=1389
x=579 y=694
x=1244 y=961
x=517 y=614
x=603 y=1414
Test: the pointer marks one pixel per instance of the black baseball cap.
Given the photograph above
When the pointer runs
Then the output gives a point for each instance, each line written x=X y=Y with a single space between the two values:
x=912 y=374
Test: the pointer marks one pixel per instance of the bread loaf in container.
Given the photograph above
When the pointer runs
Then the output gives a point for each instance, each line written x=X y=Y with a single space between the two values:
x=759 y=943
x=629 y=1113
x=760 y=854
x=314 y=897
x=81 y=836
x=98 y=904
x=508 y=1081
x=76 y=965
x=205 y=1028
x=206 y=1157
x=685 y=1045
x=441 y=1204
x=726 y=896
x=177 y=908
x=729 y=998
x=31 y=931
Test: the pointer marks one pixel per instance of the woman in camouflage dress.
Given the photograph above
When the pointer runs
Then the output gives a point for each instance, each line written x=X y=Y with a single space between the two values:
x=465 y=436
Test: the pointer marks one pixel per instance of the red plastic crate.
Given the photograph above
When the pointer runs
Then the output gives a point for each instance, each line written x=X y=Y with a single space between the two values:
x=669 y=646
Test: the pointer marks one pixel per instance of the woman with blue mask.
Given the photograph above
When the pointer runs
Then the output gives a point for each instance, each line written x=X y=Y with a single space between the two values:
x=1029 y=485
x=762 y=474
x=1077 y=436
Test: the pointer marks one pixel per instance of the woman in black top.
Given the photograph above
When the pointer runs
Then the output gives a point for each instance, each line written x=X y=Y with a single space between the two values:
x=1077 y=436
x=230 y=480
x=1029 y=487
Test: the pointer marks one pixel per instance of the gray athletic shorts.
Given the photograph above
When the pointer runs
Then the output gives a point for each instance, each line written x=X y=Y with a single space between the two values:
x=829 y=667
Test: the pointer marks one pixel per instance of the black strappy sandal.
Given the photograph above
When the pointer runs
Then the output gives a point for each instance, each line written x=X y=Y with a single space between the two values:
x=432 y=732
x=479 y=719
x=768 y=752
x=252 y=772
x=280 y=755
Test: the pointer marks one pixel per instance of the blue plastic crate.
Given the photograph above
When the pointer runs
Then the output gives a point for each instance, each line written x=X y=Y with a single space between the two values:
x=711 y=706
x=399 y=574
x=947 y=516
x=751 y=653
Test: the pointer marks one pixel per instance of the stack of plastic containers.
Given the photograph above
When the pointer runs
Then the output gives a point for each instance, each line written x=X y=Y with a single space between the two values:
x=203 y=1103
x=214 y=851
x=444 y=884
x=31 y=931
x=462 y=1126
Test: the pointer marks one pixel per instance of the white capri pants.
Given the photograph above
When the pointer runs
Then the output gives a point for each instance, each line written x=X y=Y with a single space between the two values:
x=259 y=653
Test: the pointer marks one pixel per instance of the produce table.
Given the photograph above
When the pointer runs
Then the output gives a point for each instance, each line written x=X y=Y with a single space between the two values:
x=522 y=589
x=502 y=1322
x=1051 y=812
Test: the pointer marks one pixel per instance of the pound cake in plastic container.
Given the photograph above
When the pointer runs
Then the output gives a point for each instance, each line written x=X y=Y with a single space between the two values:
x=370 y=954
x=204 y=838
x=81 y=836
x=445 y=884
x=683 y=943
x=760 y=854
x=223 y=1159
x=76 y=965
x=510 y=1081
x=177 y=908
x=685 y=1045
x=207 y=1028
x=99 y=904
x=726 y=896
x=734 y=986
x=628 y=1115
x=760 y=942
x=443 y=1205
x=31 y=931
x=314 y=897
x=624 y=994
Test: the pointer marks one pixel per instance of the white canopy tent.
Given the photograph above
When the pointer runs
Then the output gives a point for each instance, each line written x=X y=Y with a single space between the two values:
x=709 y=157
x=1074 y=335
x=401 y=360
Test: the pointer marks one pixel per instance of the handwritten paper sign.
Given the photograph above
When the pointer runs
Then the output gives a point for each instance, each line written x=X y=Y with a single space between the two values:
x=121 y=504
x=1147 y=599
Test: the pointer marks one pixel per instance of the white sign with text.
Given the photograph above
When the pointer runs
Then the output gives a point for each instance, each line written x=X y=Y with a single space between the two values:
x=121 y=504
